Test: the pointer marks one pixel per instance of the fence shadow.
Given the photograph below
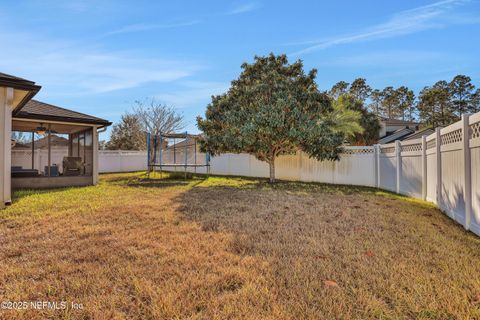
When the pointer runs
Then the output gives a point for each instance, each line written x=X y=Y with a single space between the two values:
x=23 y=193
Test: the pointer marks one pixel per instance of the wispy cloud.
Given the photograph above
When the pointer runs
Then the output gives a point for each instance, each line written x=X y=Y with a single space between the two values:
x=140 y=27
x=68 y=69
x=147 y=27
x=387 y=59
x=78 y=6
x=244 y=8
x=435 y=15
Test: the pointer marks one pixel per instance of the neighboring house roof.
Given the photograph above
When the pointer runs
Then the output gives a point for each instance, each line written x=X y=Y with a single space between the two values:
x=406 y=134
x=418 y=134
x=19 y=145
x=397 y=122
x=55 y=141
x=396 y=135
x=37 y=110
x=7 y=80
x=188 y=142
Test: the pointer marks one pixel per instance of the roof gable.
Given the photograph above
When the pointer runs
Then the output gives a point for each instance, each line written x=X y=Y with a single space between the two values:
x=24 y=89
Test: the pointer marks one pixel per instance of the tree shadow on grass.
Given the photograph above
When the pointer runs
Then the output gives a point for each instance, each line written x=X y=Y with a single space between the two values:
x=143 y=180
x=156 y=184
x=309 y=233
x=256 y=208
x=253 y=208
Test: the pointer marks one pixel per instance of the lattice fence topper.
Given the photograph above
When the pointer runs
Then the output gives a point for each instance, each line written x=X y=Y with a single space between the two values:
x=22 y=152
x=412 y=147
x=358 y=151
x=451 y=137
x=387 y=150
x=431 y=144
x=475 y=130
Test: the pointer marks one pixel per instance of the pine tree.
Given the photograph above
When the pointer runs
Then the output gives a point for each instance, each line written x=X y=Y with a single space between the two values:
x=462 y=95
x=360 y=90
x=338 y=89
x=435 y=105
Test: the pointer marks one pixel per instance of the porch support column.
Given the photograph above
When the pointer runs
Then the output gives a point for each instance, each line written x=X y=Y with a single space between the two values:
x=6 y=98
x=95 y=156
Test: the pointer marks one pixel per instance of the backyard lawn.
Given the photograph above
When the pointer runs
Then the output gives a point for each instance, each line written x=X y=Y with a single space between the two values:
x=231 y=248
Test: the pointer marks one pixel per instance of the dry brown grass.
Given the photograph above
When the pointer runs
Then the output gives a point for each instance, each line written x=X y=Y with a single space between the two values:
x=233 y=248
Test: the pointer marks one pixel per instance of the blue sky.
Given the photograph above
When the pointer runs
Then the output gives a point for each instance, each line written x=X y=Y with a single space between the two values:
x=98 y=57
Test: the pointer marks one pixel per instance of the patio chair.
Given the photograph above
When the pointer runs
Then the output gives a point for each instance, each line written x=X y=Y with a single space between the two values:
x=72 y=166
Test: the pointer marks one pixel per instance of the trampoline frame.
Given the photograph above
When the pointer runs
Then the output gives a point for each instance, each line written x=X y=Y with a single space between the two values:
x=152 y=164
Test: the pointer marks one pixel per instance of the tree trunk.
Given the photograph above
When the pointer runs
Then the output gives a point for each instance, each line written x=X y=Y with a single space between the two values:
x=272 y=170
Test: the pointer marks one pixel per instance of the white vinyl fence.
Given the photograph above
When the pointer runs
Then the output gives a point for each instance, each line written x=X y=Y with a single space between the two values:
x=443 y=168
x=121 y=161
x=23 y=158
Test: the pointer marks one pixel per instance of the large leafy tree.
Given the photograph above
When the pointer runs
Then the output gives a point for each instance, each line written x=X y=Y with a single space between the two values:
x=128 y=134
x=272 y=109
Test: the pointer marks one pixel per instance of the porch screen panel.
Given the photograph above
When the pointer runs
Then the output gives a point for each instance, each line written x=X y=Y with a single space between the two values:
x=74 y=143
x=82 y=146
x=88 y=152
x=22 y=153
x=59 y=149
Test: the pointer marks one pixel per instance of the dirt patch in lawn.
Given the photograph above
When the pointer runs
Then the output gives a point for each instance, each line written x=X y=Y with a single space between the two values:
x=222 y=248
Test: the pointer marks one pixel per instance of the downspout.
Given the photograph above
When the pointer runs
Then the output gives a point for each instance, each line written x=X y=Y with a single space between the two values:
x=103 y=129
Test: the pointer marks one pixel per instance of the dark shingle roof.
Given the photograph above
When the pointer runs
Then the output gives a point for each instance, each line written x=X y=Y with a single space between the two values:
x=420 y=133
x=397 y=135
x=392 y=121
x=43 y=111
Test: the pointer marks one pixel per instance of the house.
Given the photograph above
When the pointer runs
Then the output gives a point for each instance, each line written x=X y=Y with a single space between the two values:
x=396 y=129
x=59 y=148
x=181 y=149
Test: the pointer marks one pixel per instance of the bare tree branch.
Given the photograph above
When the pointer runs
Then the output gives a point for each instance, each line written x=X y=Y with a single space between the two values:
x=157 y=117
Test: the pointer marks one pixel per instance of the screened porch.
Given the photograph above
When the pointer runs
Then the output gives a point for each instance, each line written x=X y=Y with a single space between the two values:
x=51 y=154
